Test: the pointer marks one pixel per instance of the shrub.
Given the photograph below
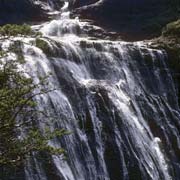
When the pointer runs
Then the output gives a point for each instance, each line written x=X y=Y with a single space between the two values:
x=18 y=113
x=15 y=30
x=43 y=45
x=16 y=47
x=172 y=29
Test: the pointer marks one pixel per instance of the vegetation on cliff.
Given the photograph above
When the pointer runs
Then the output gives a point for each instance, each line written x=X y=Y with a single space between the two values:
x=133 y=19
x=17 y=30
x=19 y=137
x=170 y=41
x=44 y=46
x=172 y=29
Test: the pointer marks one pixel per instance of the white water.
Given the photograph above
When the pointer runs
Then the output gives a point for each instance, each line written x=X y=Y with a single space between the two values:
x=108 y=93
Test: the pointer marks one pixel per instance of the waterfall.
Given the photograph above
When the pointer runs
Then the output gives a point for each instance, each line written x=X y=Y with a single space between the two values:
x=118 y=100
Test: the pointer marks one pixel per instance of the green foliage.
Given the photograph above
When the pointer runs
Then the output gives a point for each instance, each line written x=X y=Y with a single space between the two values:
x=16 y=47
x=43 y=45
x=17 y=113
x=15 y=30
x=170 y=42
x=172 y=29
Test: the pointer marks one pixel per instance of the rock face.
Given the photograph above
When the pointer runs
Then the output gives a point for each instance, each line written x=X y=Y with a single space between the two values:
x=170 y=42
x=13 y=11
x=20 y=11
x=134 y=19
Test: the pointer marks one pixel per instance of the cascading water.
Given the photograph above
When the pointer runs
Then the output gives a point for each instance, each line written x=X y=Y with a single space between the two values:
x=118 y=99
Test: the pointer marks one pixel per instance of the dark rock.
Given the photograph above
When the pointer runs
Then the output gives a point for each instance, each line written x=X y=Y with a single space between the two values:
x=133 y=19
x=13 y=11
x=170 y=42
x=21 y=11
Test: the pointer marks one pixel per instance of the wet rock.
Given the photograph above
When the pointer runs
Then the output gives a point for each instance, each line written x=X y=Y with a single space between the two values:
x=170 y=42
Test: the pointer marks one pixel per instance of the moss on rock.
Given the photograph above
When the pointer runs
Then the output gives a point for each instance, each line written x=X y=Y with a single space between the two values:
x=172 y=29
x=44 y=46
x=16 y=30
x=16 y=47
x=170 y=42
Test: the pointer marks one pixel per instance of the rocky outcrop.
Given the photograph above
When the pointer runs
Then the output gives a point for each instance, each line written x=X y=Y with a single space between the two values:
x=20 y=11
x=133 y=19
x=13 y=11
x=170 y=42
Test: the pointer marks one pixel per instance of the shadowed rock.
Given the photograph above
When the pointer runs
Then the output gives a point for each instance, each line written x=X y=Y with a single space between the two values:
x=133 y=19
